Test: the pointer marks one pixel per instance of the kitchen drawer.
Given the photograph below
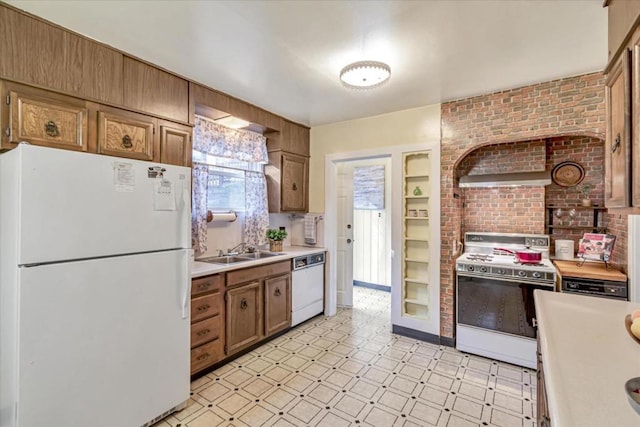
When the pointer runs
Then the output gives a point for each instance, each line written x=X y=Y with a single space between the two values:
x=237 y=277
x=206 y=330
x=205 y=306
x=206 y=355
x=206 y=284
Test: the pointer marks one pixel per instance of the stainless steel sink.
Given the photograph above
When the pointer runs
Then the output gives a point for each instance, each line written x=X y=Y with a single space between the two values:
x=258 y=255
x=224 y=259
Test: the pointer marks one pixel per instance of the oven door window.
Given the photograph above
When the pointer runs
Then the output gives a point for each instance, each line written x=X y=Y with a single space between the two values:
x=497 y=305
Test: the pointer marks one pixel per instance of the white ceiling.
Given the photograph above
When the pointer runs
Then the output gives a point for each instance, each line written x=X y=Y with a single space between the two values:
x=285 y=56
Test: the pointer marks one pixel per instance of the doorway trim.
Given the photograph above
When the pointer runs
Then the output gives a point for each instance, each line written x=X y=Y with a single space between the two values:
x=330 y=203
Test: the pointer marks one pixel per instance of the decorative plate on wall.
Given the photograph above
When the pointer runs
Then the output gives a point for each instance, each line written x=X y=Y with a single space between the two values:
x=567 y=174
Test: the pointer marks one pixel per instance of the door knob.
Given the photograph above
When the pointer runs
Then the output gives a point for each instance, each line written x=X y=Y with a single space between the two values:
x=349 y=240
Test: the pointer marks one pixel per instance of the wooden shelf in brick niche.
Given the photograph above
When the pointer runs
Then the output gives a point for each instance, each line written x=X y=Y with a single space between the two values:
x=415 y=256
x=593 y=217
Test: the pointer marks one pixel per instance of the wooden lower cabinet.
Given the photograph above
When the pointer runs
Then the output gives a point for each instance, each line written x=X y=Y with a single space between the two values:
x=207 y=321
x=244 y=316
x=43 y=118
x=234 y=311
x=277 y=304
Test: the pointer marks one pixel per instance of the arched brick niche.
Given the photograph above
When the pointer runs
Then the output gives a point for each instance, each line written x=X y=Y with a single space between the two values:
x=517 y=127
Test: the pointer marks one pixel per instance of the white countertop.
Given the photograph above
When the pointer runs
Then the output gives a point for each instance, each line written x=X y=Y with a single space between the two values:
x=587 y=356
x=199 y=269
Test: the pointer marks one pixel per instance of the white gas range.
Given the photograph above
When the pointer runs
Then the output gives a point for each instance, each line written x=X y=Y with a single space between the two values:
x=494 y=296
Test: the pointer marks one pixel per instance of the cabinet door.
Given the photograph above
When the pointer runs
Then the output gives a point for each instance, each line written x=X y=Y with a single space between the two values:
x=125 y=134
x=150 y=89
x=175 y=144
x=44 y=118
x=244 y=316
x=277 y=304
x=295 y=178
x=617 y=146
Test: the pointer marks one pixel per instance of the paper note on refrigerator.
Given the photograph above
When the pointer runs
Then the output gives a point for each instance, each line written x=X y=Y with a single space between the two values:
x=124 y=177
x=163 y=195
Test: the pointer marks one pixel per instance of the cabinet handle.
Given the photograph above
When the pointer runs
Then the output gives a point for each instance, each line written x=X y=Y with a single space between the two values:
x=203 y=333
x=51 y=128
x=277 y=292
x=204 y=307
x=294 y=187
x=204 y=356
x=126 y=141
x=546 y=421
x=617 y=144
x=202 y=286
x=244 y=304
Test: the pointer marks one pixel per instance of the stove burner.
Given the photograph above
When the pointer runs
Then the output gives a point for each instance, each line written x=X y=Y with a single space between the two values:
x=529 y=264
x=480 y=257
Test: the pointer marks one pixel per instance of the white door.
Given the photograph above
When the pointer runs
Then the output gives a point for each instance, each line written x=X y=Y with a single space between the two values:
x=79 y=205
x=103 y=342
x=344 y=251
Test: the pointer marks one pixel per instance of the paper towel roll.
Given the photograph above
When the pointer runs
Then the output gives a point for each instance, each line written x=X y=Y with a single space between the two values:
x=564 y=249
x=218 y=217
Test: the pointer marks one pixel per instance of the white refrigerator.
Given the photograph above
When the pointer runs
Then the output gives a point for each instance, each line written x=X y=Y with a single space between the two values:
x=94 y=289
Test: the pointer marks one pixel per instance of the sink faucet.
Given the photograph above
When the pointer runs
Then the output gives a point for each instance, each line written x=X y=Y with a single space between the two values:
x=242 y=245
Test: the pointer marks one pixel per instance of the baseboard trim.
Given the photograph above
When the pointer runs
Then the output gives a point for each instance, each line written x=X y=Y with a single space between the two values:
x=372 y=286
x=423 y=336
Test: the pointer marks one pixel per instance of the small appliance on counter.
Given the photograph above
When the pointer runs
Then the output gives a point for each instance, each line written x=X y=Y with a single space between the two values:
x=593 y=279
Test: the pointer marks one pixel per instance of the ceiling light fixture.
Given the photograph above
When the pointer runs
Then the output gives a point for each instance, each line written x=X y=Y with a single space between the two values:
x=365 y=74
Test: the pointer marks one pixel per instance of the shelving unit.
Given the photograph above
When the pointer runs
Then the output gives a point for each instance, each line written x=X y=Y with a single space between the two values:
x=593 y=228
x=415 y=232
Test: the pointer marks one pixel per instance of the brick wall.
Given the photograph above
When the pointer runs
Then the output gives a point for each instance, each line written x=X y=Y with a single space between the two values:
x=568 y=107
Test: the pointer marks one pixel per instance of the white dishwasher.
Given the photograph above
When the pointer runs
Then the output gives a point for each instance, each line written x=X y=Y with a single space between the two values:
x=307 y=287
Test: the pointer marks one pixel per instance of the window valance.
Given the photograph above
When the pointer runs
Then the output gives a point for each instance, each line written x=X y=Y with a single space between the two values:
x=212 y=138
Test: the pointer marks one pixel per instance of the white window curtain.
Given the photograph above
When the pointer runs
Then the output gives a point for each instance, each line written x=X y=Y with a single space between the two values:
x=221 y=141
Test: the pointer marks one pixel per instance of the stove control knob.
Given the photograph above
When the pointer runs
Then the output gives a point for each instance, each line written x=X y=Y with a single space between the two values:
x=536 y=275
x=470 y=268
x=522 y=273
x=483 y=269
x=500 y=271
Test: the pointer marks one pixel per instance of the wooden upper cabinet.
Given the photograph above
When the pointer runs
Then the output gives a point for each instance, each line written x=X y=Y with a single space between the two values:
x=295 y=180
x=92 y=71
x=155 y=91
x=622 y=14
x=618 y=139
x=287 y=182
x=38 y=53
x=293 y=138
x=126 y=134
x=201 y=96
x=43 y=118
x=175 y=143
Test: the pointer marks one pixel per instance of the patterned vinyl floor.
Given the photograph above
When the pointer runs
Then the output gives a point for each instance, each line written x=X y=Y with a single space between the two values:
x=350 y=370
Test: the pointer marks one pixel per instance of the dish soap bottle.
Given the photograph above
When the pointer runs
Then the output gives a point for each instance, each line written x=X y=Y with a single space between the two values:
x=417 y=191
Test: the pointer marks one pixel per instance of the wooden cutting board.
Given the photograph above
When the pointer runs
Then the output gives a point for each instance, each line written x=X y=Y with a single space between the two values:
x=589 y=270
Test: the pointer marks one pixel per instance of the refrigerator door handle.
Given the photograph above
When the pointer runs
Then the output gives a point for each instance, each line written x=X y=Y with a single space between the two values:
x=186 y=282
